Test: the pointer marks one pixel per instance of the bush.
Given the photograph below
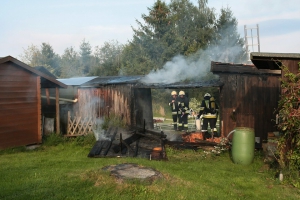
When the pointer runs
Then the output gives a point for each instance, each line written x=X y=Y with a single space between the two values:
x=289 y=123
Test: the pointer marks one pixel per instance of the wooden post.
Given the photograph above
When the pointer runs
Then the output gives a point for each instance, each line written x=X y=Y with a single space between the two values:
x=68 y=123
x=39 y=107
x=57 y=110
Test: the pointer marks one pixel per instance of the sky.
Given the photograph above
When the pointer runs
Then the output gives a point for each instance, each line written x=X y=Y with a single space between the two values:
x=66 y=23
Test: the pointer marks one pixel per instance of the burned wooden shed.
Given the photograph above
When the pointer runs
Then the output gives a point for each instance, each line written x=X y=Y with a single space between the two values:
x=20 y=102
x=112 y=96
x=125 y=97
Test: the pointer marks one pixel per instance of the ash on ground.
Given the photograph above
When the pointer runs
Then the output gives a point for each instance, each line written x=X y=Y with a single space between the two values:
x=131 y=171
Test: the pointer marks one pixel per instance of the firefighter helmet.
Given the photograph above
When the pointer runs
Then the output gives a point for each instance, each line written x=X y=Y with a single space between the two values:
x=173 y=93
x=207 y=95
x=181 y=93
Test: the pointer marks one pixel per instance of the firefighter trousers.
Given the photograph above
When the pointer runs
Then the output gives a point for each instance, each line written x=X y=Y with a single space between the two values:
x=175 y=121
x=212 y=123
x=183 y=122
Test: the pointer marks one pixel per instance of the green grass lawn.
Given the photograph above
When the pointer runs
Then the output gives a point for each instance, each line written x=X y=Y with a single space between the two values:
x=64 y=171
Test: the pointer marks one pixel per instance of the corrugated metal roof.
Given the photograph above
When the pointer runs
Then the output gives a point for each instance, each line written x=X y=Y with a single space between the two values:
x=76 y=81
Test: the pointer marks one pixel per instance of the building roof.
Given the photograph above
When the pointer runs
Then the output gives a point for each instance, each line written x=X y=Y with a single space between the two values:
x=45 y=71
x=76 y=81
x=46 y=80
x=112 y=80
x=221 y=68
x=137 y=82
x=263 y=60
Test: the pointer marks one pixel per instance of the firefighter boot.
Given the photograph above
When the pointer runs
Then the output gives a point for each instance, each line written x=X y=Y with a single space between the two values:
x=185 y=127
x=180 y=128
x=215 y=132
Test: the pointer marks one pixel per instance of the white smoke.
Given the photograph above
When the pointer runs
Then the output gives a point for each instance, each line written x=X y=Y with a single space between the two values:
x=176 y=70
x=196 y=66
x=99 y=133
x=173 y=137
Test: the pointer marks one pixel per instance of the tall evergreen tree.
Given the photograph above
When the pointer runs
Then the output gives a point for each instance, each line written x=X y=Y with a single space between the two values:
x=70 y=66
x=85 y=56
x=168 y=30
x=228 y=45
x=145 y=52
x=49 y=59
x=108 y=59
x=193 y=26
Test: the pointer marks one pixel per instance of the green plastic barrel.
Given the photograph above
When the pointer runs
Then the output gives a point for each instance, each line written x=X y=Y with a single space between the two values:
x=243 y=144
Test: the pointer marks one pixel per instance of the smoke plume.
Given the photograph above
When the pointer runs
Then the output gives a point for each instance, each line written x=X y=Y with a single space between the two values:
x=196 y=66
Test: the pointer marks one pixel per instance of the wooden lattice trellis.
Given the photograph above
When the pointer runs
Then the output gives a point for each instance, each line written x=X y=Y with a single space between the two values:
x=79 y=125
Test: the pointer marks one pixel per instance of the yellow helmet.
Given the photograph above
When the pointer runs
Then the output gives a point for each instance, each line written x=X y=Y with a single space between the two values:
x=181 y=93
x=173 y=93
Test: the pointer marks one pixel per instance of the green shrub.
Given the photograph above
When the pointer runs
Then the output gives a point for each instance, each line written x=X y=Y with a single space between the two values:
x=289 y=123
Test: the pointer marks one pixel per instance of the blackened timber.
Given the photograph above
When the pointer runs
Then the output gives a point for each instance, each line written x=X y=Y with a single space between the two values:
x=99 y=145
x=136 y=148
x=97 y=148
x=149 y=136
x=157 y=133
x=110 y=142
x=199 y=143
x=127 y=142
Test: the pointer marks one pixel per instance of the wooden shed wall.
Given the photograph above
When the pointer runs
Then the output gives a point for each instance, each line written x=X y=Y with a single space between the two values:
x=105 y=101
x=143 y=108
x=20 y=114
x=292 y=65
x=132 y=105
x=254 y=99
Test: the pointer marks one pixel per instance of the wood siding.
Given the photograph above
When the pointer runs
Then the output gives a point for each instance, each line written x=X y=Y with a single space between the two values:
x=143 y=108
x=131 y=105
x=292 y=65
x=20 y=118
x=254 y=99
x=105 y=101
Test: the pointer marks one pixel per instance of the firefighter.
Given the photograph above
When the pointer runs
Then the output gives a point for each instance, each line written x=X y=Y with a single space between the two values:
x=183 y=111
x=174 y=108
x=209 y=112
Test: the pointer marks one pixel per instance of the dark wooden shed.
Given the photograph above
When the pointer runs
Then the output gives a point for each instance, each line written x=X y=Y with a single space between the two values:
x=20 y=102
x=250 y=93
x=273 y=61
x=248 y=97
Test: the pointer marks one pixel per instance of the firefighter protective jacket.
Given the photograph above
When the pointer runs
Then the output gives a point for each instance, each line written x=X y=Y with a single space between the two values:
x=183 y=105
x=174 y=106
x=209 y=108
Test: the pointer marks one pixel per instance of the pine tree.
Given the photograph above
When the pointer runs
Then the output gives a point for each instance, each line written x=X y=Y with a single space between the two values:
x=228 y=45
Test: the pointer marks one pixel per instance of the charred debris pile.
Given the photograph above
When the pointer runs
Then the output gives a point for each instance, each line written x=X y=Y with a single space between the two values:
x=149 y=144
